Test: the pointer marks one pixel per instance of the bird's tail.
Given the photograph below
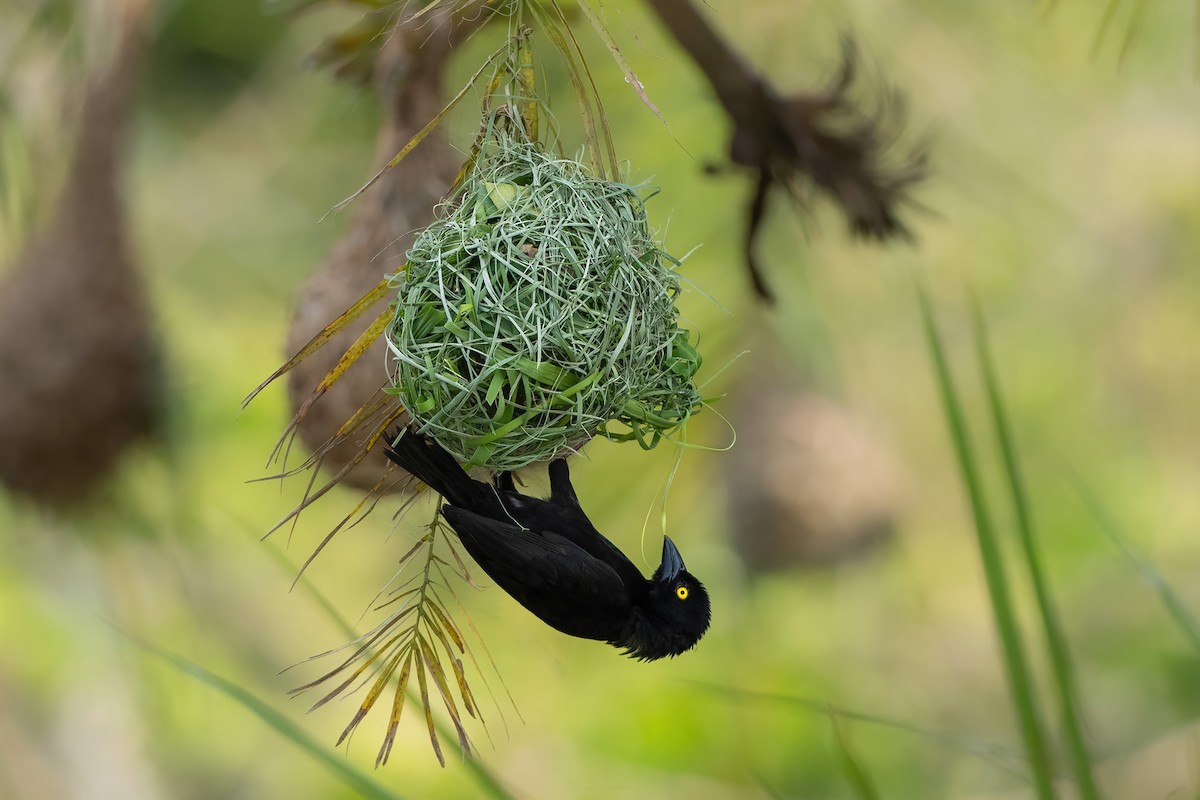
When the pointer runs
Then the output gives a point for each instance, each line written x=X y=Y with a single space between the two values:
x=433 y=465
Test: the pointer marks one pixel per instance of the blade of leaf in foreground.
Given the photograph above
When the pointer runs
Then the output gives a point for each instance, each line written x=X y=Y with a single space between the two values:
x=1063 y=671
x=1016 y=665
x=856 y=773
x=359 y=781
x=1000 y=755
x=1179 y=612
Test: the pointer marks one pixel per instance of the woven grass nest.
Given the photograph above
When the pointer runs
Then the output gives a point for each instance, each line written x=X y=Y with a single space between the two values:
x=538 y=312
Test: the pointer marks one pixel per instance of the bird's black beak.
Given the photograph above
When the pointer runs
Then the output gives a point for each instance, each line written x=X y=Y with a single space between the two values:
x=672 y=562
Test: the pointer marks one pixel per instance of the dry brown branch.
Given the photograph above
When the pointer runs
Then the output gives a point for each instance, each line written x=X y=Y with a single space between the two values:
x=824 y=138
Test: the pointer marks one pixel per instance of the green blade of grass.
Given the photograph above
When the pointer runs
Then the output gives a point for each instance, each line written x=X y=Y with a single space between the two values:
x=1105 y=22
x=1016 y=665
x=856 y=773
x=1135 y=24
x=1056 y=643
x=1179 y=612
x=1004 y=757
x=1196 y=39
x=359 y=781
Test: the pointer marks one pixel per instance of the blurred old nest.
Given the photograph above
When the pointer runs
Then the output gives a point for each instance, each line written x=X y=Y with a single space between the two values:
x=408 y=77
x=79 y=355
x=809 y=484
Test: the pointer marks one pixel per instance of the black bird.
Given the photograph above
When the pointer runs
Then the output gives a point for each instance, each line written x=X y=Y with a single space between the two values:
x=550 y=558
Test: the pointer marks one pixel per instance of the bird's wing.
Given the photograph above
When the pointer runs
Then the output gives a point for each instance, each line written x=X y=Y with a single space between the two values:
x=551 y=576
x=563 y=515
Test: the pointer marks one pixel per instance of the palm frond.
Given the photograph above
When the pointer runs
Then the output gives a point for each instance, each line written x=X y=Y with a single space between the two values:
x=418 y=638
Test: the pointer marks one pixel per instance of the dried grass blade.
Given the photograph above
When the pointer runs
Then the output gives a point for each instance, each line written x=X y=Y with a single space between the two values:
x=329 y=331
x=433 y=123
x=396 y=598
x=527 y=80
x=444 y=621
x=377 y=403
x=464 y=573
x=372 y=696
x=465 y=689
x=553 y=30
x=630 y=76
x=362 y=648
x=476 y=147
x=352 y=354
x=389 y=738
x=606 y=134
x=329 y=536
x=427 y=8
x=341 y=687
x=424 y=689
x=311 y=497
x=488 y=653
x=424 y=540
x=460 y=676
x=443 y=687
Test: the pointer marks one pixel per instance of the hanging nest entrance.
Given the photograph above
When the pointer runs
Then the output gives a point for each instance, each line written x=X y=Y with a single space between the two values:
x=539 y=312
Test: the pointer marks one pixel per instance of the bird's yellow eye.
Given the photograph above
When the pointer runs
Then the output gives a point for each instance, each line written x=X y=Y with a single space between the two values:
x=681 y=592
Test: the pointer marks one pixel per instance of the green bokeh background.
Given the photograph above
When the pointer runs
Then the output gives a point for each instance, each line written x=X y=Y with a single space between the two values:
x=1065 y=189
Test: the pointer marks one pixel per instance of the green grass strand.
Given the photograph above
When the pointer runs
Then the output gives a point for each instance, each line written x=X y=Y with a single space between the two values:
x=1061 y=664
x=856 y=773
x=359 y=781
x=1183 y=618
x=1015 y=663
x=999 y=755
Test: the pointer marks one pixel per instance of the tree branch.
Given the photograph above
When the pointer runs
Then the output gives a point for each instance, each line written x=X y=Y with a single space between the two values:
x=823 y=138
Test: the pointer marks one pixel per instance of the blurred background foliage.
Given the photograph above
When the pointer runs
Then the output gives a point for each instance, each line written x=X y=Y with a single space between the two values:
x=1064 y=190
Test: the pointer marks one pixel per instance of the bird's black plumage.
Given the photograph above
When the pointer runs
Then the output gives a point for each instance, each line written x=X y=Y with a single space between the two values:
x=550 y=558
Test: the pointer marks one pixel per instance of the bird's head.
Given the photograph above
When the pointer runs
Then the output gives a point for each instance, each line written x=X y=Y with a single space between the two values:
x=675 y=614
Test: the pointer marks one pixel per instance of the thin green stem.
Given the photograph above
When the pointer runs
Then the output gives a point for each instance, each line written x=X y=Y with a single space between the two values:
x=856 y=773
x=1056 y=644
x=1016 y=665
x=363 y=784
x=1184 y=619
